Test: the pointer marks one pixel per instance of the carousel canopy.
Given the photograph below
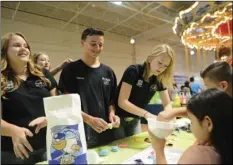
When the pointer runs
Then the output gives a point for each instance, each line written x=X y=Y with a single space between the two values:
x=206 y=25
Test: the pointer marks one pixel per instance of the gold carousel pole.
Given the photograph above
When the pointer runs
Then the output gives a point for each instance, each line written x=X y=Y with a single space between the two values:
x=199 y=58
x=229 y=33
x=204 y=57
x=187 y=60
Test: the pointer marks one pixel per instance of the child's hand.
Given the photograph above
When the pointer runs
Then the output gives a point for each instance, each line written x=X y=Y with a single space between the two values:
x=39 y=122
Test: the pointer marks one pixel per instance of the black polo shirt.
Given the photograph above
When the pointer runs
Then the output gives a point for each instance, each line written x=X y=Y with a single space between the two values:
x=21 y=106
x=141 y=92
x=96 y=87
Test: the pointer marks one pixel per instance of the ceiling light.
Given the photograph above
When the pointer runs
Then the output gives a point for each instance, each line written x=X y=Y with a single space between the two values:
x=192 y=52
x=132 y=41
x=117 y=3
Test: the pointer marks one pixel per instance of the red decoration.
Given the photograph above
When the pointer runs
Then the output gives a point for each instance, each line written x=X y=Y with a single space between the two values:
x=223 y=29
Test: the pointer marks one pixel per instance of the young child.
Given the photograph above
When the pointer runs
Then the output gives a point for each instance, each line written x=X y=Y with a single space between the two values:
x=210 y=113
x=216 y=75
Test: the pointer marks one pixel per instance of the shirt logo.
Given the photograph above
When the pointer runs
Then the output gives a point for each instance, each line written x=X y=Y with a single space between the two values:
x=40 y=84
x=139 y=83
x=106 y=81
x=9 y=86
x=80 y=78
x=153 y=88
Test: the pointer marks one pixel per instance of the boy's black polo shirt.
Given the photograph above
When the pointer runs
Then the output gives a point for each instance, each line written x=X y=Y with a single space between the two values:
x=21 y=106
x=141 y=92
x=96 y=87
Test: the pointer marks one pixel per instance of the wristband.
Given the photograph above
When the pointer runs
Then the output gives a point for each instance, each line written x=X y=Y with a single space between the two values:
x=145 y=114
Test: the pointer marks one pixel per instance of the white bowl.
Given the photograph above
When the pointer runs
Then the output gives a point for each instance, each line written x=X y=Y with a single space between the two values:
x=92 y=157
x=161 y=129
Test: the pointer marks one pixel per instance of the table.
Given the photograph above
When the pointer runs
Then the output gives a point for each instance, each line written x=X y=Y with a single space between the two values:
x=136 y=144
x=181 y=140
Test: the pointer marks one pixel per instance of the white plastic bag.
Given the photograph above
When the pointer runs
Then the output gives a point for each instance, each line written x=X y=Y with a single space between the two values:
x=66 y=142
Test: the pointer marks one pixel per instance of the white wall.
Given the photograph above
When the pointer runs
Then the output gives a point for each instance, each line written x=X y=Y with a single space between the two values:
x=60 y=45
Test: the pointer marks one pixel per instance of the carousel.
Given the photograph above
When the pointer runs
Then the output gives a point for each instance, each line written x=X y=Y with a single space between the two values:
x=204 y=27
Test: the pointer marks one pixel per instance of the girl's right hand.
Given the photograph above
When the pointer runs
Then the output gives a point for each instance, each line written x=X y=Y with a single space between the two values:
x=19 y=139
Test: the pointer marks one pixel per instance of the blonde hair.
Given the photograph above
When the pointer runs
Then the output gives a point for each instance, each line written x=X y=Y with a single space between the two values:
x=36 y=56
x=6 y=71
x=166 y=77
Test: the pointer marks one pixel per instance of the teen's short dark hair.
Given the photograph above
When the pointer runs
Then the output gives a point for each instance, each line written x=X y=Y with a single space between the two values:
x=218 y=71
x=217 y=105
x=91 y=32
x=191 y=79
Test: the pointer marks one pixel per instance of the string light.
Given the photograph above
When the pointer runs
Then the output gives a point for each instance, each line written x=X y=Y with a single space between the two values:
x=189 y=9
x=210 y=33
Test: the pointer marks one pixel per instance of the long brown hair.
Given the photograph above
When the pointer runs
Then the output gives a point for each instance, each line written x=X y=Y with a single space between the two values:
x=6 y=71
x=166 y=77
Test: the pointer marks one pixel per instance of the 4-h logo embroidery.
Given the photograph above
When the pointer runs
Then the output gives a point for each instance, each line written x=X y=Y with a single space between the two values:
x=106 y=81
x=139 y=83
x=9 y=86
x=40 y=84
x=153 y=88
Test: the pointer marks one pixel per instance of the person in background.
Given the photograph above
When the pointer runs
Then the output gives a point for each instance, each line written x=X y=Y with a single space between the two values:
x=225 y=54
x=42 y=60
x=195 y=86
x=173 y=91
x=139 y=83
x=210 y=113
x=23 y=87
x=181 y=87
x=216 y=75
x=187 y=88
x=96 y=84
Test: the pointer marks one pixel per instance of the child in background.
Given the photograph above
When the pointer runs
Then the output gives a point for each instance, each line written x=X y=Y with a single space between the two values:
x=211 y=123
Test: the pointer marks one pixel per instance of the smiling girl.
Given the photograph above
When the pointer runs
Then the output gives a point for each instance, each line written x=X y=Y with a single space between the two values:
x=23 y=87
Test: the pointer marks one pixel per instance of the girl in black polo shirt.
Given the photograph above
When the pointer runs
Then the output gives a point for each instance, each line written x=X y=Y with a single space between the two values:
x=23 y=87
x=139 y=83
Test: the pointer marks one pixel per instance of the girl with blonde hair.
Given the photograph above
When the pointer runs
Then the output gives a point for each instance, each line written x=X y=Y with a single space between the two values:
x=139 y=83
x=23 y=87
x=42 y=59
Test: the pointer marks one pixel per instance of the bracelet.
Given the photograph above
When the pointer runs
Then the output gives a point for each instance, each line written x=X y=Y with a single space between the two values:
x=145 y=114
